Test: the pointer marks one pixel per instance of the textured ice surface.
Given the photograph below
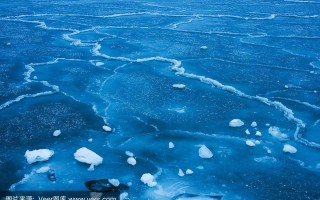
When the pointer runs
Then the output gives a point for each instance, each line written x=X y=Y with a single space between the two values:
x=76 y=66
x=38 y=155
x=204 y=152
x=289 y=149
x=87 y=156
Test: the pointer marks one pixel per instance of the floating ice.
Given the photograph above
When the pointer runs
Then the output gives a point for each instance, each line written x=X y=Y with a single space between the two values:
x=91 y=168
x=180 y=173
x=203 y=47
x=131 y=161
x=98 y=64
x=129 y=153
x=87 y=156
x=106 y=128
x=90 y=140
x=189 y=171
x=258 y=133
x=254 y=124
x=275 y=132
x=114 y=182
x=257 y=142
x=236 y=123
x=204 y=152
x=42 y=170
x=250 y=143
x=148 y=179
x=124 y=196
x=38 y=155
x=289 y=149
x=56 y=133
x=247 y=132
x=179 y=86
x=171 y=145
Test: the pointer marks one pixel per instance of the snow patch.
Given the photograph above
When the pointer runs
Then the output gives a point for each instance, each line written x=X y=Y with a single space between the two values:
x=236 y=123
x=204 y=152
x=38 y=155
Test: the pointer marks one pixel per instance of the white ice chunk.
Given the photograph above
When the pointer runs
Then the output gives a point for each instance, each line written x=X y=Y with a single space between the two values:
x=179 y=86
x=289 y=149
x=38 y=155
x=275 y=132
x=131 y=161
x=87 y=156
x=258 y=133
x=106 y=128
x=204 y=152
x=124 y=196
x=203 y=47
x=42 y=170
x=98 y=64
x=254 y=124
x=148 y=179
x=129 y=153
x=171 y=145
x=180 y=173
x=189 y=171
x=257 y=142
x=236 y=123
x=90 y=140
x=250 y=143
x=56 y=133
x=91 y=168
x=114 y=182
x=247 y=132
x=8 y=43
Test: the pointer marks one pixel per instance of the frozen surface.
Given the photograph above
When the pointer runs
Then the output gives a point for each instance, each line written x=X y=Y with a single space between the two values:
x=130 y=80
x=38 y=155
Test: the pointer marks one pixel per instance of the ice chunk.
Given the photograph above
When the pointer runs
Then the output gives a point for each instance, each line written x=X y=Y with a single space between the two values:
x=236 y=123
x=90 y=140
x=56 y=133
x=42 y=170
x=106 y=128
x=114 y=182
x=124 y=196
x=98 y=64
x=247 y=132
x=258 y=133
x=70 y=181
x=91 y=168
x=254 y=124
x=275 y=132
x=179 y=86
x=204 y=152
x=189 y=171
x=250 y=143
x=289 y=149
x=38 y=155
x=8 y=43
x=180 y=173
x=87 y=156
x=148 y=179
x=129 y=153
x=171 y=145
x=203 y=47
x=131 y=161
x=257 y=142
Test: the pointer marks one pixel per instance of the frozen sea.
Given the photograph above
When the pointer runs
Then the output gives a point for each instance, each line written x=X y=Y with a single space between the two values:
x=78 y=65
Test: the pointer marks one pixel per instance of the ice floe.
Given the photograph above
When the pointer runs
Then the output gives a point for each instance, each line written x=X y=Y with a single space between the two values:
x=247 y=132
x=204 y=152
x=254 y=124
x=289 y=149
x=275 y=132
x=250 y=143
x=129 y=153
x=107 y=128
x=56 y=133
x=90 y=140
x=132 y=161
x=179 y=86
x=171 y=145
x=203 y=47
x=114 y=182
x=42 y=170
x=148 y=179
x=180 y=172
x=98 y=64
x=236 y=123
x=87 y=156
x=38 y=155
x=189 y=171
x=258 y=133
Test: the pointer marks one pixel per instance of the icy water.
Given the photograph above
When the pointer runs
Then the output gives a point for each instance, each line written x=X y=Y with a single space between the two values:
x=75 y=66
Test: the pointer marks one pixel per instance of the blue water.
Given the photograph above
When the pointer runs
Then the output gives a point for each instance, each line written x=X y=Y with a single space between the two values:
x=78 y=65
